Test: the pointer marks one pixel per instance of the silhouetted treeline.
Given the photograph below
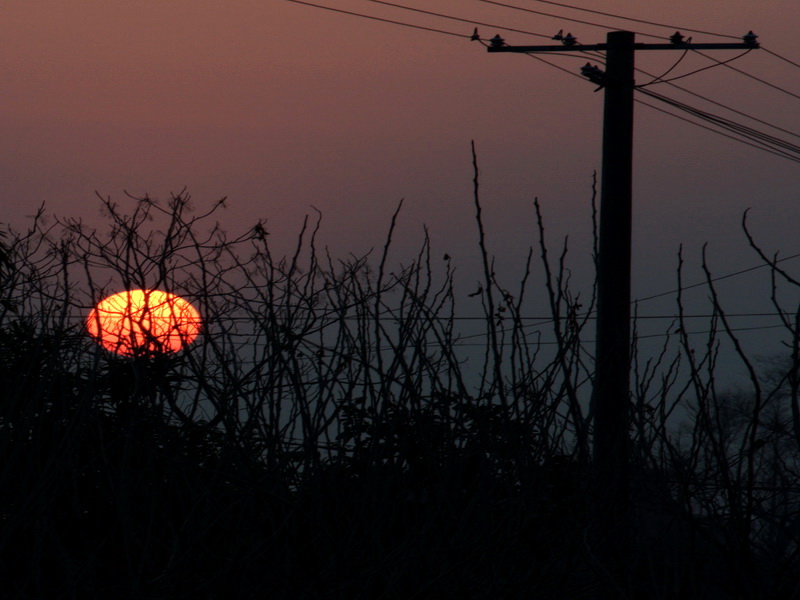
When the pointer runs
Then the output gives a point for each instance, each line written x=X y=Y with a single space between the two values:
x=326 y=438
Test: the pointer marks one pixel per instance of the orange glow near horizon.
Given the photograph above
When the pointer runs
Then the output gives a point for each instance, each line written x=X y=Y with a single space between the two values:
x=139 y=322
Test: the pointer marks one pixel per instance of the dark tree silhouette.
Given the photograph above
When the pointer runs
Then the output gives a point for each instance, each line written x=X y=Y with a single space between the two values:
x=326 y=436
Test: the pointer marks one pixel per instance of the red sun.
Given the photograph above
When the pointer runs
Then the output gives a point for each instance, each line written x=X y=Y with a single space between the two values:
x=140 y=322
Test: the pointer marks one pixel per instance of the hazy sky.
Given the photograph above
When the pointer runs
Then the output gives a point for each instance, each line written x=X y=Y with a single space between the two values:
x=282 y=107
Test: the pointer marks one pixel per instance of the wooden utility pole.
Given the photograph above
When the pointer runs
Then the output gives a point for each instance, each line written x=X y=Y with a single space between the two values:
x=611 y=394
x=612 y=357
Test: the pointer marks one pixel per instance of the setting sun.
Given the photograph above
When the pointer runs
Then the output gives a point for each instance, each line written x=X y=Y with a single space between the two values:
x=143 y=322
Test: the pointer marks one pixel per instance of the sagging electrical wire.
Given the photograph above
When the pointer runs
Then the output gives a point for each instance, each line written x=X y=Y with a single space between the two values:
x=718 y=132
x=706 y=68
x=791 y=151
x=660 y=78
x=765 y=141
x=718 y=278
x=783 y=58
x=381 y=19
x=460 y=344
x=633 y=20
x=725 y=106
x=563 y=18
x=459 y=19
x=750 y=76
x=555 y=66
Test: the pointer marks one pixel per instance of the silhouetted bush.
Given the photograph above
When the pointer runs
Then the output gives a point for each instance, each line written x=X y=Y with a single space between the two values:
x=324 y=438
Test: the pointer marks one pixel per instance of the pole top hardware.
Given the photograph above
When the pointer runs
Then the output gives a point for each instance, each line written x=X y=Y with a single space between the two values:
x=676 y=42
x=594 y=74
x=569 y=40
x=750 y=38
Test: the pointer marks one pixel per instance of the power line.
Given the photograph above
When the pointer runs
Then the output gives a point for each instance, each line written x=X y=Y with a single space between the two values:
x=381 y=19
x=457 y=343
x=767 y=142
x=643 y=21
x=783 y=58
x=549 y=64
x=660 y=78
x=737 y=329
x=606 y=14
x=749 y=132
x=753 y=77
x=459 y=19
x=758 y=140
x=725 y=106
x=713 y=279
x=711 y=129
x=561 y=18
x=543 y=320
x=706 y=68
x=755 y=144
x=716 y=64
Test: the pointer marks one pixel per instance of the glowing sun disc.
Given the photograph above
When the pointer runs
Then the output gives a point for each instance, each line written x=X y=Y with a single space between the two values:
x=138 y=322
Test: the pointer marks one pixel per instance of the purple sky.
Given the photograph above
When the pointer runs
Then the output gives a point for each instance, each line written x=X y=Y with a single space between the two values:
x=282 y=107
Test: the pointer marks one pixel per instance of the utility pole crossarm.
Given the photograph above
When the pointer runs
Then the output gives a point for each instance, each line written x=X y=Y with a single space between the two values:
x=604 y=47
x=569 y=43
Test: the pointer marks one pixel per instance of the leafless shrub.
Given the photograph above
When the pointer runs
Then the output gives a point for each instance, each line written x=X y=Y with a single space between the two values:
x=326 y=437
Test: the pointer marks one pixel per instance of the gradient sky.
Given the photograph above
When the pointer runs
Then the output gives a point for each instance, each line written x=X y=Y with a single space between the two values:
x=282 y=107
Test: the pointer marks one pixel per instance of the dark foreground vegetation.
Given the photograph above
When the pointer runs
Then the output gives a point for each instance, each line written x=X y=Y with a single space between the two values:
x=324 y=438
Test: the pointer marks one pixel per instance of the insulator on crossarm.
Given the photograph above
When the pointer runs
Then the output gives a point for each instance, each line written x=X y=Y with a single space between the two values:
x=569 y=40
x=593 y=73
x=750 y=38
x=497 y=41
x=676 y=38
